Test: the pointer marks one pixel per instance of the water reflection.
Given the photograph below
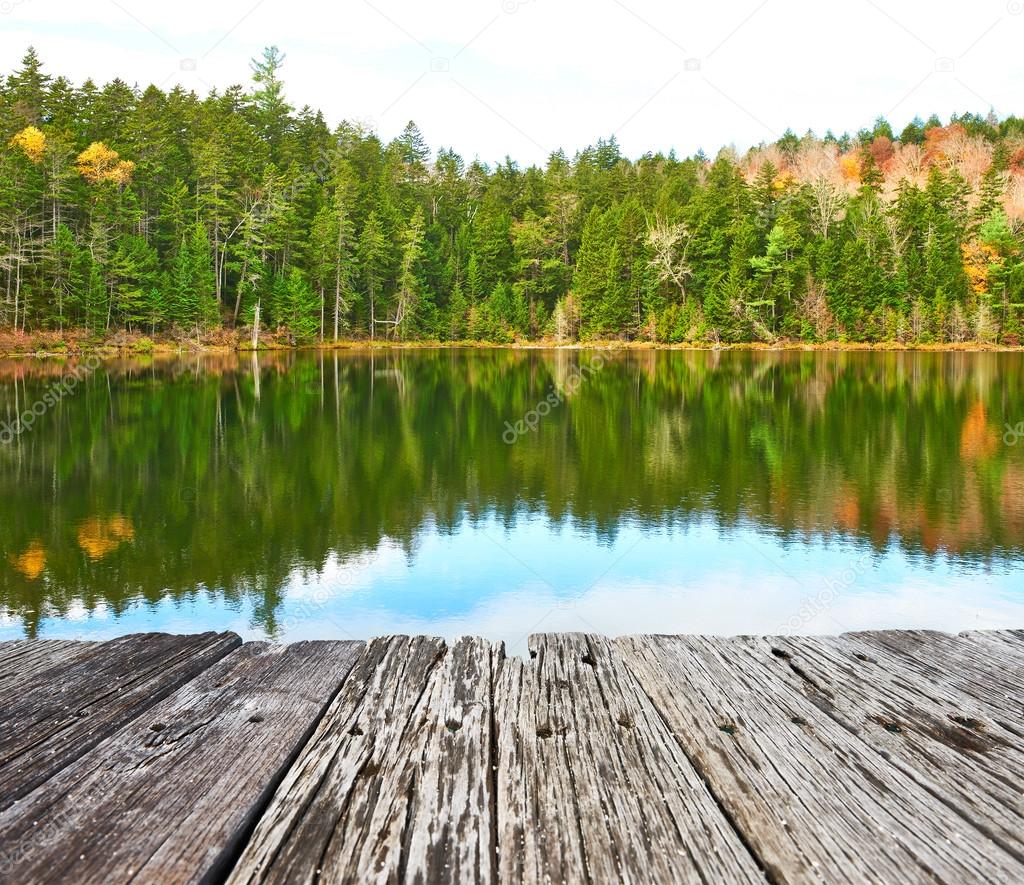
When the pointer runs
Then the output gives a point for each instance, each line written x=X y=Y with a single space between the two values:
x=350 y=494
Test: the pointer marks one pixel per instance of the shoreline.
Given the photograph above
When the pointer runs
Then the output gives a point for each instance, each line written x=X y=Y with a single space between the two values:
x=146 y=347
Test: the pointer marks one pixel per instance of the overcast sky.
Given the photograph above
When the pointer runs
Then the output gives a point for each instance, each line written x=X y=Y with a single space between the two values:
x=523 y=77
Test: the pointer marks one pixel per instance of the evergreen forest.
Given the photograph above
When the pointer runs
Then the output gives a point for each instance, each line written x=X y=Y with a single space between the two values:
x=172 y=215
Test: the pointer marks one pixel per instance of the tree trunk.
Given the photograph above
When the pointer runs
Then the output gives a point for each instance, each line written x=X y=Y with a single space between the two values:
x=337 y=304
x=238 y=294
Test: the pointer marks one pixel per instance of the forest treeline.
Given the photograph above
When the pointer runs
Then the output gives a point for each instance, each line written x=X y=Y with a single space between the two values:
x=164 y=213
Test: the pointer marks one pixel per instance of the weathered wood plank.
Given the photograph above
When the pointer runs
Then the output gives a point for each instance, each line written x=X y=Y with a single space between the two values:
x=592 y=785
x=813 y=800
x=69 y=707
x=13 y=649
x=944 y=739
x=395 y=783
x=1012 y=641
x=24 y=661
x=451 y=837
x=994 y=652
x=968 y=664
x=172 y=796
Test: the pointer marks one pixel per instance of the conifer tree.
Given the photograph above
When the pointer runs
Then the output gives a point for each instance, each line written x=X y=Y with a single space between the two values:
x=300 y=311
x=373 y=257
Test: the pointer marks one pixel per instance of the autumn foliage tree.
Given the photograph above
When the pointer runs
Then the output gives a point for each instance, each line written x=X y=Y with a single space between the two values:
x=31 y=142
x=98 y=163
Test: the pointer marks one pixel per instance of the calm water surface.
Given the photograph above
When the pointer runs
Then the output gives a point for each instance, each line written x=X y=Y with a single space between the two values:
x=509 y=492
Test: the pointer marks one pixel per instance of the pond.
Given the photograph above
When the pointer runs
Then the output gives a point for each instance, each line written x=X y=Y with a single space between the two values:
x=502 y=492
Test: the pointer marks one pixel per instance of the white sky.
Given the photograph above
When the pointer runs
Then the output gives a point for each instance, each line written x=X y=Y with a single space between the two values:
x=522 y=77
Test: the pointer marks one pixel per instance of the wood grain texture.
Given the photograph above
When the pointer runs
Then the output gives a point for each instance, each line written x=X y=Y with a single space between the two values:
x=24 y=661
x=813 y=800
x=987 y=666
x=394 y=785
x=172 y=796
x=944 y=739
x=592 y=786
x=61 y=702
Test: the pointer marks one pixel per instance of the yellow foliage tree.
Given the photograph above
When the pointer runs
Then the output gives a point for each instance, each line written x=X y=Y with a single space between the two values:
x=849 y=166
x=978 y=258
x=99 y=163
x=782 y=181
x=31 y=142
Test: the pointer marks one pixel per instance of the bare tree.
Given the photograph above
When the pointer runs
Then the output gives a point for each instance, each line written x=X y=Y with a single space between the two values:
x=908 y=164
x=566 y=318
x=756 y=159
x=818 y=166
x=669 y=243
x=1013 y=201
x=827 y=209
x=958 y=329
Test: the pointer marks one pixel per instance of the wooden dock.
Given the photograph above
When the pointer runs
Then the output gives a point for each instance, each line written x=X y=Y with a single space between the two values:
x=890 y=756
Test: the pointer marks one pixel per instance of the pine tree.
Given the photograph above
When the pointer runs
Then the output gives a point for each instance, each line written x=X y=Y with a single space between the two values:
x=62 y=269
x=133 y=270
x=456 y=315
x=373 y=259
x=502 y=314
x=301 y=308
x=591 y=277
x=193 y=300
x=993 y=186
x=333 y=249
x=27 y=90
x=269 y=109
x=213 y=205
x=410 y=295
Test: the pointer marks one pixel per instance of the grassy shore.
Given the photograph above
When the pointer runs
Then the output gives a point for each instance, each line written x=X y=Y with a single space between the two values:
x=75 y=343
